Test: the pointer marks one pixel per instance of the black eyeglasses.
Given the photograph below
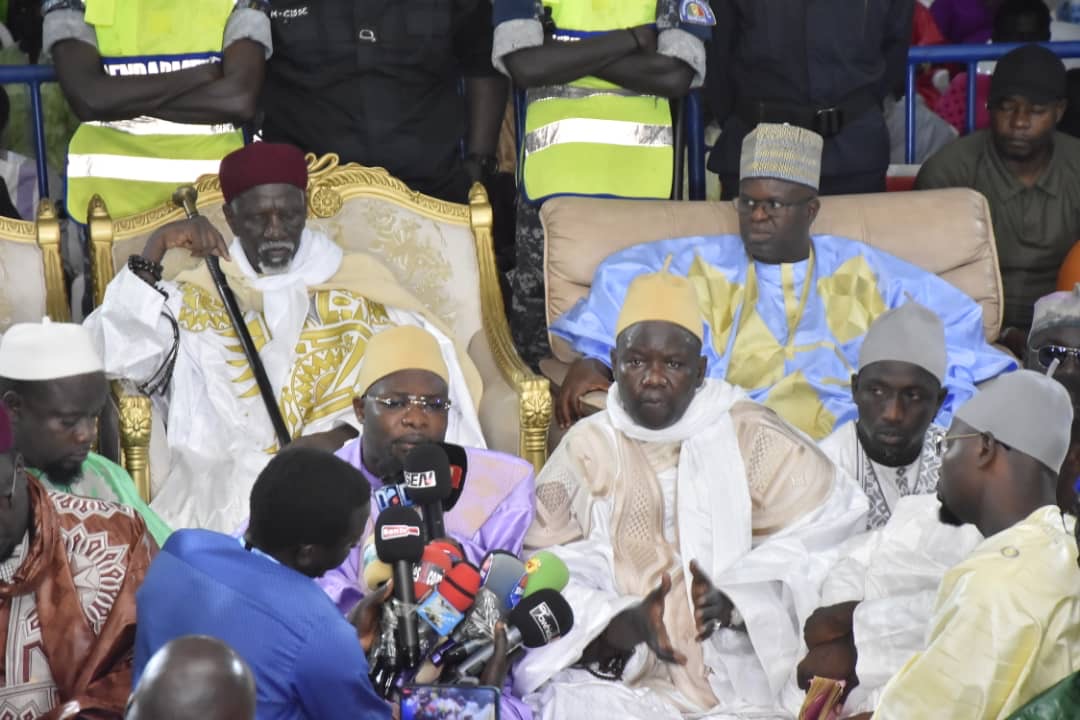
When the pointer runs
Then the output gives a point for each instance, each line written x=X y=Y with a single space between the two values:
x=773 y=207
x=1047 y=354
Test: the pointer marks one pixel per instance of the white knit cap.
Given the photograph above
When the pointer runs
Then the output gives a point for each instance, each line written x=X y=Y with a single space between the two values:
x=47 y=351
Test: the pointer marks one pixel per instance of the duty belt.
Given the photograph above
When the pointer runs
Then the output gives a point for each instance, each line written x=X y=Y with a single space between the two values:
x=826 y=121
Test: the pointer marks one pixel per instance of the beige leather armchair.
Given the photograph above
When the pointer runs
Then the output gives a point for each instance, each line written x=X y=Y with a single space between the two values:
x=440 y=251
x=948 y=232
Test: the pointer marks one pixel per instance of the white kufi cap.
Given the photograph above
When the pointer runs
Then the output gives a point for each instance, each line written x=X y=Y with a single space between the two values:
x=47 y=351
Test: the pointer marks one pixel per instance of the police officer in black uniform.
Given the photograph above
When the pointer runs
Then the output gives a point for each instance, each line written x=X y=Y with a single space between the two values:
x=824 y=65
x=379 y=82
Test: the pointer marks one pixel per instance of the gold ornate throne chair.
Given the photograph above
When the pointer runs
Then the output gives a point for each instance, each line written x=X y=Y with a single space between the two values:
x=442 y=252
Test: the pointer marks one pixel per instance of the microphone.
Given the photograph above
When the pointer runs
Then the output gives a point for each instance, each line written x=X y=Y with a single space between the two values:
x=459 y=468
x=398 y=541
x=391 y=495
x=445 y=607
x=501 y=572
x=545 y=570
x=375 y=571
x=428 y=482
x=537 y=620
x=434 y=564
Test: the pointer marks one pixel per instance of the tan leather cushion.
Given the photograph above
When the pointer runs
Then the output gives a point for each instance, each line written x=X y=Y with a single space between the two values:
x=947 y=232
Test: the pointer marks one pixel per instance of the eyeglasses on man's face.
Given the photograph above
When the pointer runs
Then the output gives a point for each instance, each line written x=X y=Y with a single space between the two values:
x=1047 y=354
x=943 y=442
x=772 y=206
x=431 y=405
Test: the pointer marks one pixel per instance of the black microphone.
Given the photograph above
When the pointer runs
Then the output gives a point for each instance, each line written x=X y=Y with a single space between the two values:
x=426 y=473
x=399 y=542
x=459 y=470
x=537 y=620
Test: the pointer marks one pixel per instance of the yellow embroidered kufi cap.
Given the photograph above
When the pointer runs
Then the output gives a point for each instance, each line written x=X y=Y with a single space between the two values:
x=782 y=152
x=405 y=347
x=664 y=297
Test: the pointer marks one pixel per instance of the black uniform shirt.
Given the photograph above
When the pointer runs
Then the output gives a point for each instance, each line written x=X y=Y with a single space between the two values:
x=814 y=53
x=378 y=83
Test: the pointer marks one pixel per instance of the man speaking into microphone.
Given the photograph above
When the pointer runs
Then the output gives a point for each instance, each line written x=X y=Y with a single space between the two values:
x=402 y=401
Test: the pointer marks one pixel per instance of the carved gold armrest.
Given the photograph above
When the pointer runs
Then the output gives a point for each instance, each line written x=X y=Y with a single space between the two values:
x=533 y=391
x=135 y=420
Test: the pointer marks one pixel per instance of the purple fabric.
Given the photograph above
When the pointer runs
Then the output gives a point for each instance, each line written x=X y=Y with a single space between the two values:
x=963 y=21
x=508 y=518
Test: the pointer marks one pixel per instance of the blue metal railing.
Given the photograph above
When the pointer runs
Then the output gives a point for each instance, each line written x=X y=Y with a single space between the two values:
x=695 y=144
x=33 y=76
x=971 y=55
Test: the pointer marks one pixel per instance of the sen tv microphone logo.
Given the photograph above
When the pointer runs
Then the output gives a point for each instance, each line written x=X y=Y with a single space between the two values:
x=420 y=480
x=393 y=532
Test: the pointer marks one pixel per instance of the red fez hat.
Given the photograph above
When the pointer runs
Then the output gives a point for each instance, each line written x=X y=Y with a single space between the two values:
x=7 y=435
x=262 y=163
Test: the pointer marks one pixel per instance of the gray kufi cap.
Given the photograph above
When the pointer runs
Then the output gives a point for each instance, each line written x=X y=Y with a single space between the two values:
x=911 y=333
x=1059 y=309
x=1025 y=410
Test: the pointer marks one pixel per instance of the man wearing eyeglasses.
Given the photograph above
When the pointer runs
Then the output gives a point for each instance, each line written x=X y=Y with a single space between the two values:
x=1007 y=619
x=309 y=308
x=1054 y=346
x=69 y=569
x=786 y=310
x=402 y=401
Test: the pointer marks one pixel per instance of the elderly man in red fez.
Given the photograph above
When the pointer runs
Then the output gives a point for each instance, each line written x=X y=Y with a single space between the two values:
x=310 y=309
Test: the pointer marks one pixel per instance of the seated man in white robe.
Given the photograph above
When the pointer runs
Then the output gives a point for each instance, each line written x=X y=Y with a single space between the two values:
x=696 y=526
x=310 y=310
x=890 y=448
x=877 y=601
x=1006 y=623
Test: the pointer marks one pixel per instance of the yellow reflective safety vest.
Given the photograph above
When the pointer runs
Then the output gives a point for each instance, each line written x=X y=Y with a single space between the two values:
x=136 y=164
x=592 y=137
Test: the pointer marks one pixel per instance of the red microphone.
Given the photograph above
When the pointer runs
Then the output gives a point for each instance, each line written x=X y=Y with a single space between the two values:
x=446 y=606
x=434 y=564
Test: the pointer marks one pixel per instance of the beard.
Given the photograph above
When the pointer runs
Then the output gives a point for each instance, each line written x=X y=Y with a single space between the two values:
x=271 y=265
x=889 y=456
x=62 y=473
x=948 y=517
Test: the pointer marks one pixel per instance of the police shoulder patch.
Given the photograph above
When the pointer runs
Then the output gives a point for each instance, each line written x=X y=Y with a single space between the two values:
x=696 y=12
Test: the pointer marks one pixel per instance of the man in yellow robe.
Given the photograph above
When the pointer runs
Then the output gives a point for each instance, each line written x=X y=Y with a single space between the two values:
x=310 y=310
x=1006 y=625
